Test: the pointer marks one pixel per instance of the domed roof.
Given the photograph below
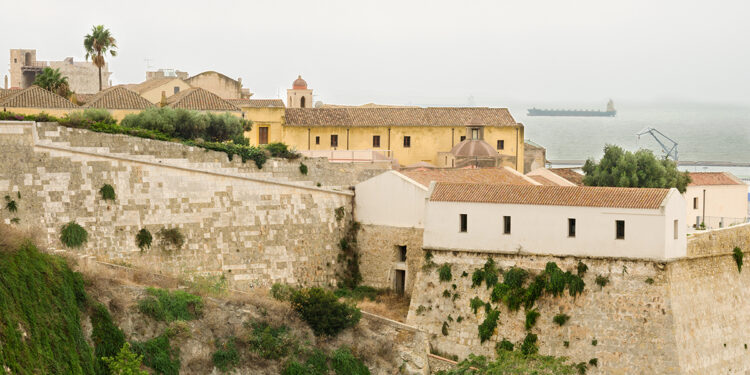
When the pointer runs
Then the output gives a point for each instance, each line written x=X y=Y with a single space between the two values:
x=299 y=84
x=473 y=147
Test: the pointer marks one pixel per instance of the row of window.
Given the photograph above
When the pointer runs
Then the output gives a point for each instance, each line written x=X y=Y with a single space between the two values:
x=619 y=226
x=407 y=141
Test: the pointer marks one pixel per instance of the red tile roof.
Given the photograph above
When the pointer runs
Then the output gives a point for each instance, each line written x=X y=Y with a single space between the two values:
x=199 y=99
x=392 y=116
x=579 y=196
x=543 y=180
x=713 y=178
x=117 y=97
x=257 y=103
x=569 y=174
x=479 y=175
x=35 y=97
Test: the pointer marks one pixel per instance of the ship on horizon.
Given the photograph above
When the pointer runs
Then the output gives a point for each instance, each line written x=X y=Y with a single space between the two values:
x=610 y=112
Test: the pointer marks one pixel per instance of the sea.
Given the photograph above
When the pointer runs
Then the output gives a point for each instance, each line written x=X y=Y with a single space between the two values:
x=706 y=134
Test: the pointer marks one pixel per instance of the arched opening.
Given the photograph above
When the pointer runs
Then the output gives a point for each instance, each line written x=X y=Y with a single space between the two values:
x=302 y=102
x=27 y=59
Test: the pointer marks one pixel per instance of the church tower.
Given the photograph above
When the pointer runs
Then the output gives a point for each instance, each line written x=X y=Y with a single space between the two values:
x=299 y=96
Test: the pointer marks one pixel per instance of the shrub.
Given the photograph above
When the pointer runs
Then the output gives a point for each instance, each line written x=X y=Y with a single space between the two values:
x=163 y=305
x=446 y=293
x=213 y=285
x=475 y=304
x=515 y=277
x=125 y=363
x=99 y=115
x=561 y=319
x=316 y=364
x=303 y=168
x=531 y=317
x=428 y=263
x=487 y=328
x=73 y=235
x=490 y=273
x=10 y=204
x=271 y=342
x=594 y=362
x=594 y=342
x=280 y=150
x=340 y=213
x=107 y=192
x=477 y=277
x=529 y=346
x=171 y=238
x=581 y=268
x=504 y=345
x=343 y=362
x=186 y=124
x=602 y=281
x=226 y=356
x=444 y=272
x=323 y=312
x=159 y=355
x=649 y=281
x=738 y=255
x=108 y=339
x=281 y=292
x=143 y=239
x=582 y=368
x=444 y=330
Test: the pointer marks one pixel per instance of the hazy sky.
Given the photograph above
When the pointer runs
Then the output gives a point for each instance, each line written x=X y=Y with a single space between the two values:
x=417 y=52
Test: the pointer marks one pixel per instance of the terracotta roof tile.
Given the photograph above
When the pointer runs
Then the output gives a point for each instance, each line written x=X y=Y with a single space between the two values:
x=569 y=174
x=713 y=178
x=431 y=116
x=544 y=181
x=257 y=103
x=84 y=98
x=36 y=97
x=5 y=92
x=480 y=175
x=200 y=100
x=151 y=84
x=118 y=97
x=580 y=196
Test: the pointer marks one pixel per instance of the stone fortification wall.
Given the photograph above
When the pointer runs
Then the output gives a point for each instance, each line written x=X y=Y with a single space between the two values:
x=253 y=230
x=687 y=319
x=379 y=255
x=719 y=241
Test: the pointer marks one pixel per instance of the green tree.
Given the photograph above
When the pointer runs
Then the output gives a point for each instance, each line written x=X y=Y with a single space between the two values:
x=125 y=363
x=97 y=44
x=640 y=169
x=52 y=80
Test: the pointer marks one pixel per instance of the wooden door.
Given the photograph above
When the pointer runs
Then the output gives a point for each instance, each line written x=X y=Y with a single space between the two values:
x=263 y=135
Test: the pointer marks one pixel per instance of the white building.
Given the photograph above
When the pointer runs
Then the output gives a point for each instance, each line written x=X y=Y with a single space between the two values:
x=559 y=220
x=717 y=199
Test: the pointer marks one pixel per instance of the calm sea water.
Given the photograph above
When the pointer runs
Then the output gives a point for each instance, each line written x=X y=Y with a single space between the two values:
x=703 y=132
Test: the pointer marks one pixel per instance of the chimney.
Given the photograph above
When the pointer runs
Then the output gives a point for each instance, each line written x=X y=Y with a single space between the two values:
x=6 y=81
x=163 y=99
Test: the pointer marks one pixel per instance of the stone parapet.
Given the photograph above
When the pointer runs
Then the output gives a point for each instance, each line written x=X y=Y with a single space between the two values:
x=719 y=241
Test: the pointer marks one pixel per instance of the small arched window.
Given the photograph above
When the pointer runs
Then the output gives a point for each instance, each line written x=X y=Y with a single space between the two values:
x=28 y=59
x=302 y=102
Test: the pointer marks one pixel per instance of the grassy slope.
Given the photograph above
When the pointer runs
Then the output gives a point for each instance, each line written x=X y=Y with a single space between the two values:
x=40 y=302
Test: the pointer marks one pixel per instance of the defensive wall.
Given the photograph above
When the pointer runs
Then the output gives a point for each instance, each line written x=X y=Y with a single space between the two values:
x=254 y=226
x=685 y=316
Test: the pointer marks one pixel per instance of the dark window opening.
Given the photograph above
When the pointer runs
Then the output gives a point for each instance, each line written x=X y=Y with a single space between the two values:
x=571 y=227
x=407 y=141
x=176 y=89
x=263 y=135
x=317 y=139
x=474 y=133
x=463 y=137
x=402 y=253
x=334 y=140
x=506 y=224
x=464 y=223
x=375 y=141
x=695 y=203
x=500 y=144
x=399 y=281
x=620 y=228
x=302 y=102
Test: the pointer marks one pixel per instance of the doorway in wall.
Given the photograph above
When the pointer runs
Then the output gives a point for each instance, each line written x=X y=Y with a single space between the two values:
x=399 y=282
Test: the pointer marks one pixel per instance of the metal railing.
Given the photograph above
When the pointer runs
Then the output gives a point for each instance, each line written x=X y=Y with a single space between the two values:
x=350 y=156
x=715 y=222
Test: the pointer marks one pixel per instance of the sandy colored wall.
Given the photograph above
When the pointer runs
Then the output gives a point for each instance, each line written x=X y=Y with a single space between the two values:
x=719 y=241
x=56 y=112
x=154 y=95
x=379 y=257
x=725 y=204
x=264 y=117
x=390 y=199
x=224 y=87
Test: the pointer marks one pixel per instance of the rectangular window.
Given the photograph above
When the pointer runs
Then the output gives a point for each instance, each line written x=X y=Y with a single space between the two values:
x=676 y=229
x=375 y=141
x=695 y=203
x=620 y=229
x=317 y=139
x=464 y=223
x=500 y=144
x=402 y=253
x=571 y=227
x=463 y=138
x=407 y=141
x=263 y=135
x=506 y=224
x=334 y=140
x=474 y=133
x=176 y=89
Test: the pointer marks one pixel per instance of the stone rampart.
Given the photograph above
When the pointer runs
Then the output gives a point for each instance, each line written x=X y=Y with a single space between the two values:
x=380 y=258
x=719 y=241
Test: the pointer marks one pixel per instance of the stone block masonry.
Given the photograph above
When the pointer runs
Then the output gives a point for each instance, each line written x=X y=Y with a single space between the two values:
x=241 y=223
x=380 y=258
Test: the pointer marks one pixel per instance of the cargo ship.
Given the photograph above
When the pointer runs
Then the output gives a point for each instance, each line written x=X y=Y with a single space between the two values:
x=610 y=112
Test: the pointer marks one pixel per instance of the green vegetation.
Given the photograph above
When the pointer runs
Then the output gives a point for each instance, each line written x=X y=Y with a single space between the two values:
x=316 y=364
x=531 y=317
x=512 y=362
x=505 y=345
x=108 y=339
x=640 y=169
x=281 y=292
x=446 y=293
x=428 y=262
x=341 y=361
x=97 y=44
x=159 y=355
x=594 y=362
x=303 y=168
x=40 y=302
x=143 y=239
x=529 y=344
x=10 y=204
x=209 y=285
x=561 y=319
x=280 y=150
x=171 y=239
x=107 y=192
x=15 y=220
x=125 y=363
x=73 y=235
x=186 y=124
x=487 y=328
x=350 y=275
x=594 y=342
x=271 y=342
x=649 y=281
x=52 y=80
x=581 y=268
x=163 y=305
x=323 y=312
x=602 y=281
x=475 y=304
x=738 y=256
x=444 y=330
x=444 y=272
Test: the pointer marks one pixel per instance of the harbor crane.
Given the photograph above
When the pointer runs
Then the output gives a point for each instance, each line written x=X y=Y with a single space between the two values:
x=661 y=139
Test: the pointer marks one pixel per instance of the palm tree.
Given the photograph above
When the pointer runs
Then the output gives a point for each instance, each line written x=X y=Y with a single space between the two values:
x=52 y=80
x=97 y=44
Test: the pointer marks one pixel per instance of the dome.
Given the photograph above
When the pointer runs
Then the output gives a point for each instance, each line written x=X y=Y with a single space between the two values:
x=474 y=147
x=299 y=84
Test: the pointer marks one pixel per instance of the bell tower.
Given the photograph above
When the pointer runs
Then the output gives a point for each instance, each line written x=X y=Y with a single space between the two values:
x=299 y=96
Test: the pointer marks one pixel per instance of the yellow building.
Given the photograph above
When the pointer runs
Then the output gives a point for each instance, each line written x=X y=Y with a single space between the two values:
x=266 y=115
x=153 y=89
x=34 y=100
x=119 y=101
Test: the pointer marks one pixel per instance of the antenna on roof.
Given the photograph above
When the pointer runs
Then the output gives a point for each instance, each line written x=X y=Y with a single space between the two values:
x=148 y=63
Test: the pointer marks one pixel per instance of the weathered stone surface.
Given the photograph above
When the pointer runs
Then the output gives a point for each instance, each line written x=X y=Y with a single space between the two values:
x=719 y=241
x=380 y=256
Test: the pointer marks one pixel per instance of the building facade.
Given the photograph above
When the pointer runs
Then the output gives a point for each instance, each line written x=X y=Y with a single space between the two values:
x=83 y=76
x=716 y=200
x=219 y=84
